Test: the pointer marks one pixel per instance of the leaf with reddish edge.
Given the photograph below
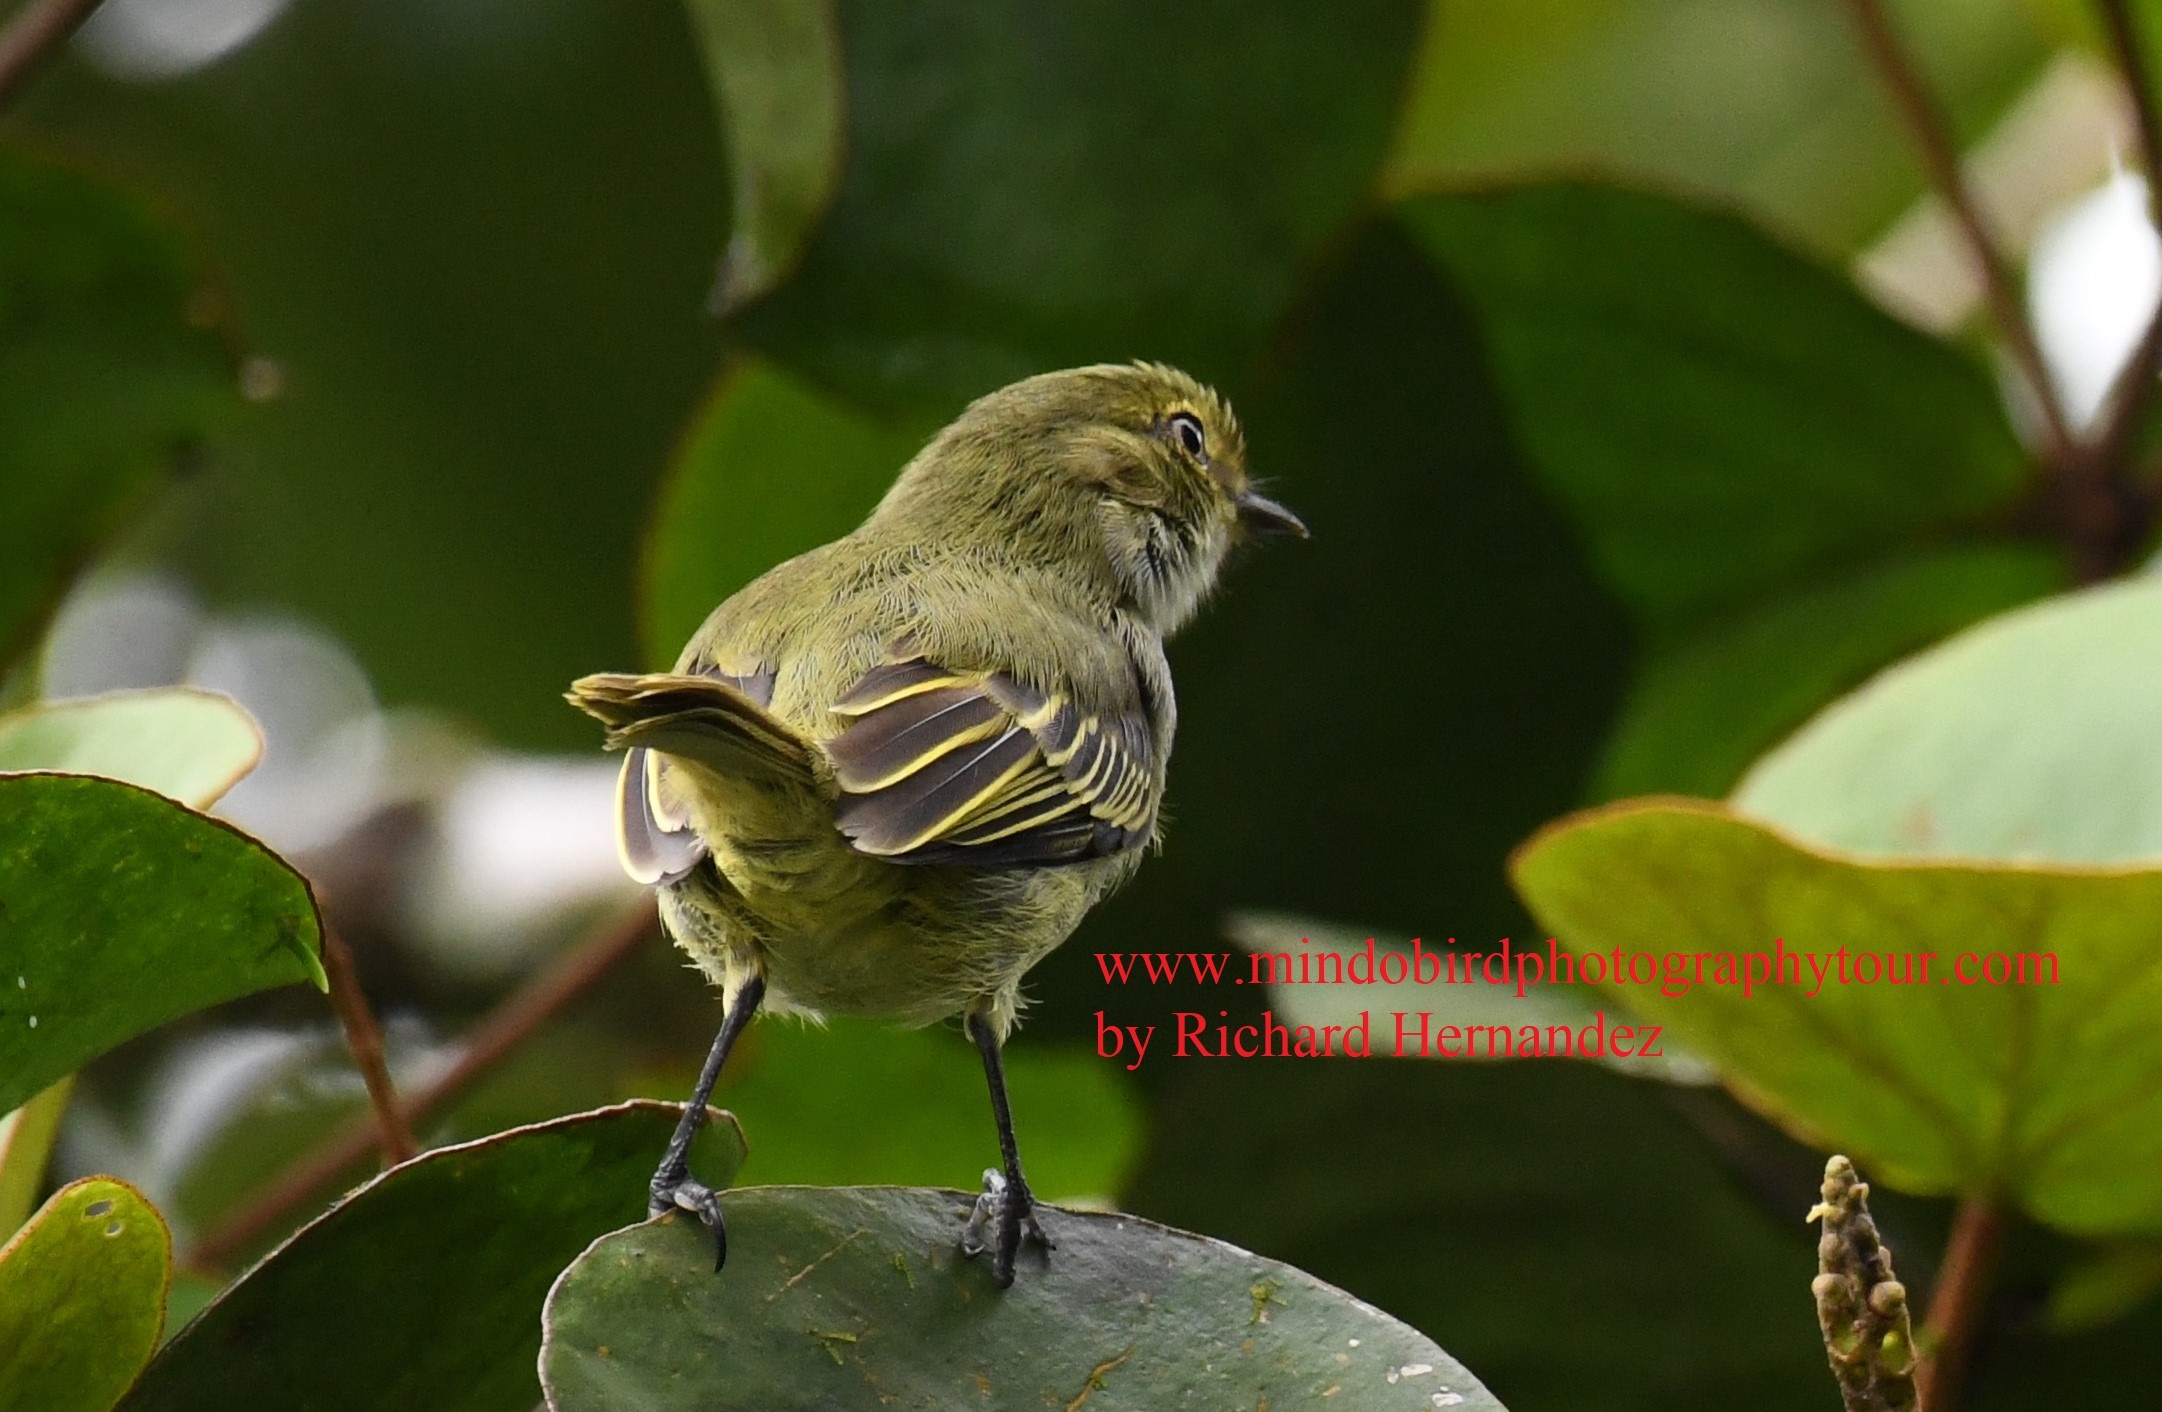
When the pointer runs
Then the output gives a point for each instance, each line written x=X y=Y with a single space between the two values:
x=431 y=1275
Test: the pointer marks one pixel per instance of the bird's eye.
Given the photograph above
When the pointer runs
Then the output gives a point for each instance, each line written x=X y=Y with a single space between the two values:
x=1186 y=429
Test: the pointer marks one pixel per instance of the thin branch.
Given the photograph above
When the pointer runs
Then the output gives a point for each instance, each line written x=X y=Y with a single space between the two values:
x=1957 y=1302
x=365 y=1038
x=35 y=35
x=2132 y=395
x=2124 y=38
x=1861 y=1305
x=509 y=1025
x=1931 y=133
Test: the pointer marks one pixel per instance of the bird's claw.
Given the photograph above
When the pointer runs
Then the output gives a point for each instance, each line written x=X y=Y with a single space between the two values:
x=1014 y=1209
x=679 y=1191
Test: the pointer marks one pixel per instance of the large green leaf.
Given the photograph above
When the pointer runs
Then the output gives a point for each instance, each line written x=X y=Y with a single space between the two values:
x=770 y=468
x=82 y=1296
x=428 y=1280
x=2031 y=736
x=1721 y=416
x=124 y=910
x=1770 y=103
x=857 y=1296
x=1031 y=187
x=103 y=372
x=2046 y=1094
x=775 y=67
x=191 y=745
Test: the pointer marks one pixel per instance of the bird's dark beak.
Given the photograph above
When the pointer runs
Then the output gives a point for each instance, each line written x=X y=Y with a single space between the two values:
x=1263 y=518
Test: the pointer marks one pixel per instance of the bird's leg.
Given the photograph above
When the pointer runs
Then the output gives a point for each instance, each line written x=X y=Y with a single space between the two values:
x=674 y=1188
x=1006 y=1197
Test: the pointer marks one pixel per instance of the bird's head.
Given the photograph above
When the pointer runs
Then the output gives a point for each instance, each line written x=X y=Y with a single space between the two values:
x=1134 y=474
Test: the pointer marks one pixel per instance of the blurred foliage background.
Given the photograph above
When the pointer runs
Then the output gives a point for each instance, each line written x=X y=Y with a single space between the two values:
x=386 y=365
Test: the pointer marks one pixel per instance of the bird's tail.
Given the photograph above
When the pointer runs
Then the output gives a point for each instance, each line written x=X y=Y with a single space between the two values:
x=693 y=719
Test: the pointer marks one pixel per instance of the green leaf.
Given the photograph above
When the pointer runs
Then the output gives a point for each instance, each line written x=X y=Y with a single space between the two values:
x=123 y=910
x=770 y=469
x=2048 y=1095
x=26 y=1146
x=1029 y=188
x=822 y=1103
x=775 y=67
x=431 y=1276
x=2029 y=737
x=1769 y=103
x=82 y=1296
x=1721 y=416
x=190 y=745
x=855 y=1296
x=105 y=376
x=1704 y=707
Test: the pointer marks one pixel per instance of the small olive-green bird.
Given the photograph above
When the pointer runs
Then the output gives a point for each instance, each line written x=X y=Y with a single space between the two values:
x=892 y=774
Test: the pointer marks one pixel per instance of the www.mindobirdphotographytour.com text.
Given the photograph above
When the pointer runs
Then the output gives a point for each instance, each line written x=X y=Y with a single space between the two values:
x=1501 y=972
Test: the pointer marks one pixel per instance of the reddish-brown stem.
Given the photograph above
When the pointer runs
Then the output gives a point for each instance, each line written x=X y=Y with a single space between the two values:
x=365 y=1038
x=506 y=1027
x=34 y=35
x=1957 y=1301
x=1932 y=136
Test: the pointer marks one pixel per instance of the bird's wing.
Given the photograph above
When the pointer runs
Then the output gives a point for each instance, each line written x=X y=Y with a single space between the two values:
x=980 y=769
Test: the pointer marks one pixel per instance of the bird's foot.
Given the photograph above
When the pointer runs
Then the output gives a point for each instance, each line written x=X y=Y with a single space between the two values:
x=680 y=1191
x=1014 y=1211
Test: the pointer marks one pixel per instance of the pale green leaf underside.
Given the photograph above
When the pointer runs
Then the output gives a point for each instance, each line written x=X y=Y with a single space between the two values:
x=186 y=744
x=2032 y=736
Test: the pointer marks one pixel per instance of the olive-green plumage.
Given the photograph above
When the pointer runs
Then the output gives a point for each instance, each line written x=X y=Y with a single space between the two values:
x=893 y=773
x=1052 y=537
